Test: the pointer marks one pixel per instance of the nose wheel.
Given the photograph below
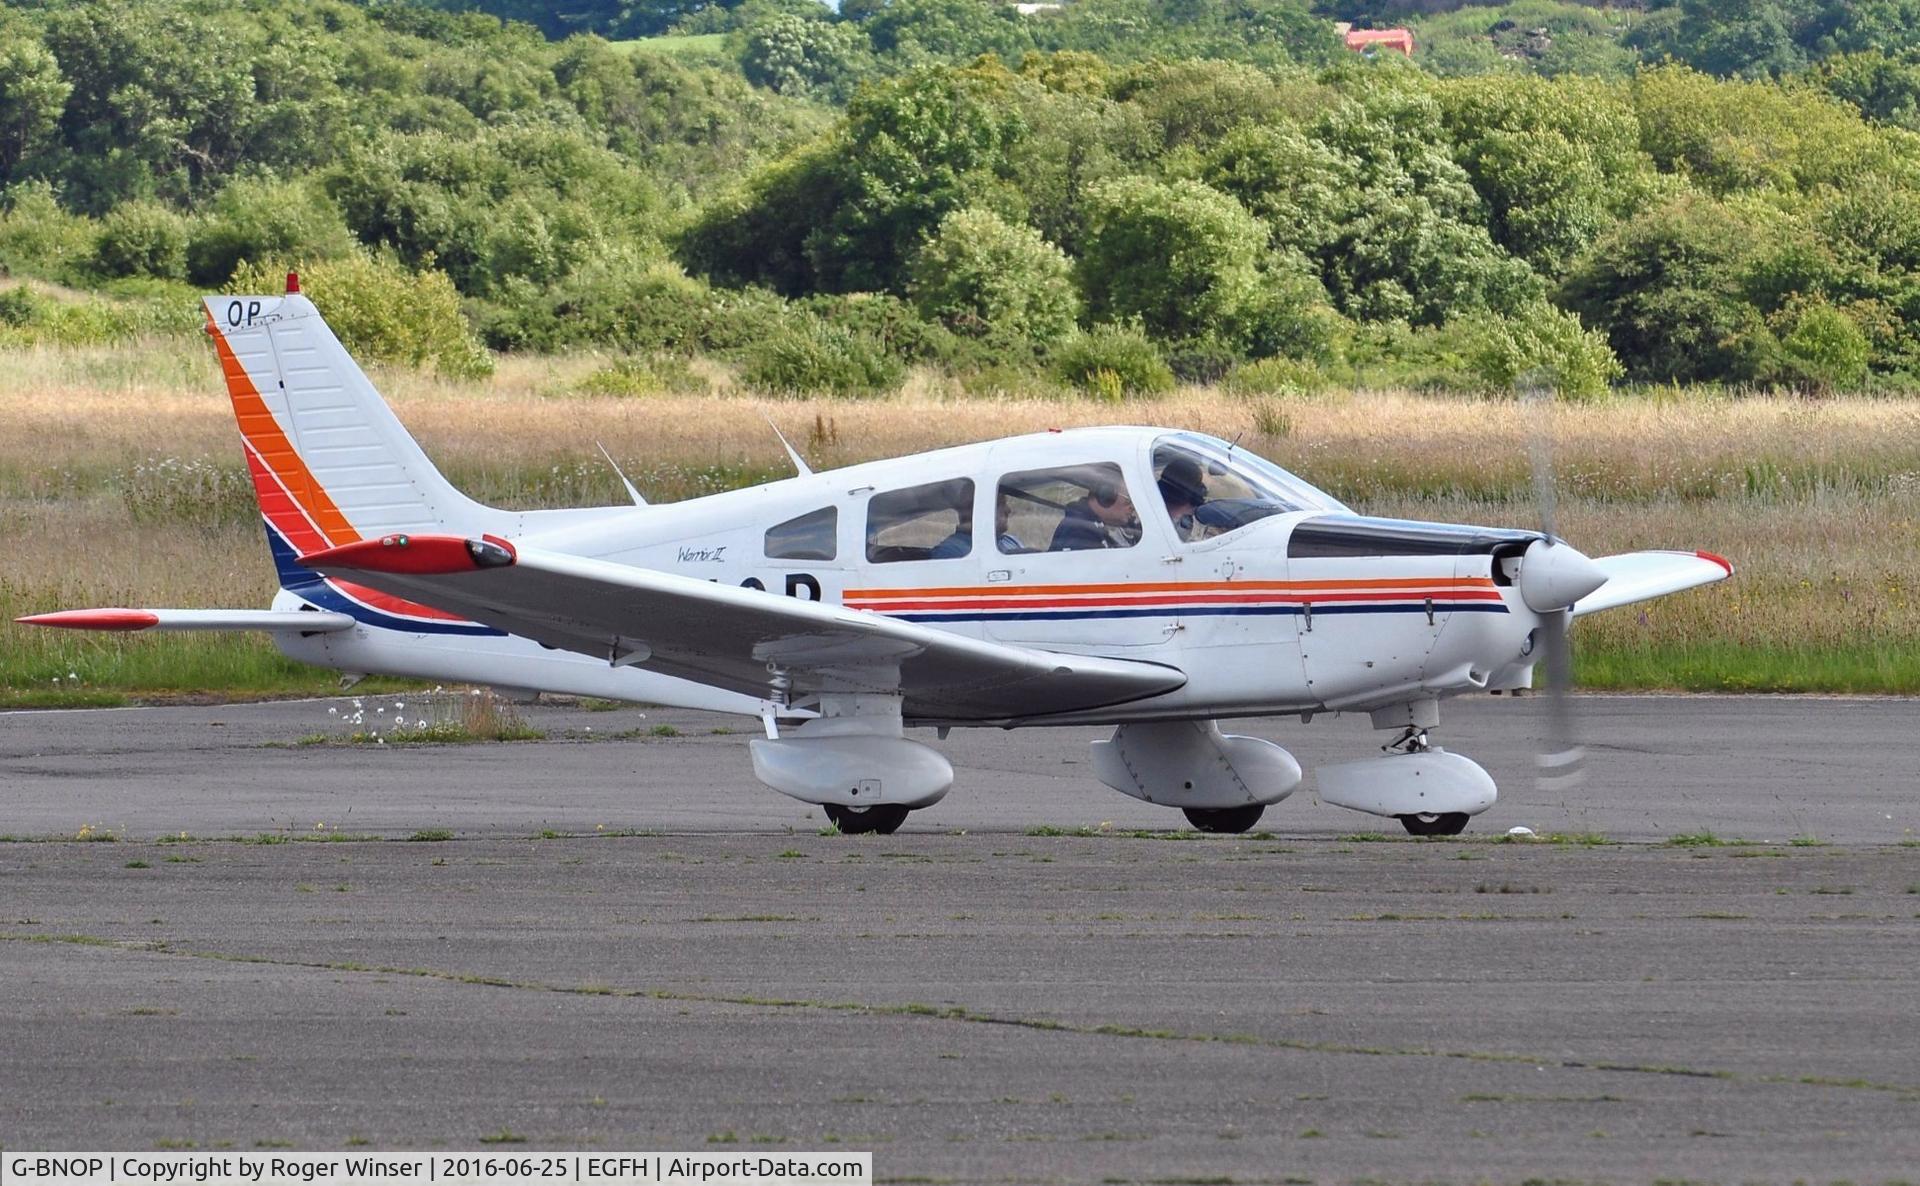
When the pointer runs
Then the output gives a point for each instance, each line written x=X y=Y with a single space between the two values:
x=882 y=818
x=1428 y=823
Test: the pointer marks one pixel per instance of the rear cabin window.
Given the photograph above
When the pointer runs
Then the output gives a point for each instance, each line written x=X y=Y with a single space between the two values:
x=931 y=522
x=1068 y=508
x=812 y=536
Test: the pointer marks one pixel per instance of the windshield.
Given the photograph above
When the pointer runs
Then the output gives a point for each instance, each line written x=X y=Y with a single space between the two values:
x=1210 y=487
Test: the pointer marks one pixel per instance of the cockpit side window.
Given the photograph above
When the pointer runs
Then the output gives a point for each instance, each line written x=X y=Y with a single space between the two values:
x=931 y=522
x=1067 y=508
x=1208 y=487
x=812 y=536
x=1180 y=478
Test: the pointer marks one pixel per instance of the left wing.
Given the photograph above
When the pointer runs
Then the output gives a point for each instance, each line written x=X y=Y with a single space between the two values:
x=743 y=640
x=1637 y=576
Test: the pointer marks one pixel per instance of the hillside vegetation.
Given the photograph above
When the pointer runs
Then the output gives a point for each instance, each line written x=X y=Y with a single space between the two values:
x=1110 y=198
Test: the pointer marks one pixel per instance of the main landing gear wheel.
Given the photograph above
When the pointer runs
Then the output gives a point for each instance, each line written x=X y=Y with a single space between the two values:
x=883 y=818
x=1445 y=823
x=1224 y=819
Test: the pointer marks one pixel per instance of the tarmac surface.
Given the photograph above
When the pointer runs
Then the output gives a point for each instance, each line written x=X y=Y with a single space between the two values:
x=626 y=943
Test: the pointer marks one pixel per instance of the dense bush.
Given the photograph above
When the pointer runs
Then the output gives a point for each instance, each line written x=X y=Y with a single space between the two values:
x=811 y=357
x=260 y=220
x=381 y=311
x=652 y=374
x=1540 y=344
x=1821 y=347
x=1113 y=360
x=142 y=239
x=40 y=238
x=1667 y=289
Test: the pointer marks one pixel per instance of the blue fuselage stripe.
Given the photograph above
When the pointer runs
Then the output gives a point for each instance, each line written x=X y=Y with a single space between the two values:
x=305 y=582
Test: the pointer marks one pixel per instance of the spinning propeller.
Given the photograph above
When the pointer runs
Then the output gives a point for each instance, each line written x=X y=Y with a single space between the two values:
x=1554 y=575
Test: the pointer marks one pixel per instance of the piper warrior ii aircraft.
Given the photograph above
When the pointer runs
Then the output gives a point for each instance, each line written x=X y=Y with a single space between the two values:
x=1150 y=580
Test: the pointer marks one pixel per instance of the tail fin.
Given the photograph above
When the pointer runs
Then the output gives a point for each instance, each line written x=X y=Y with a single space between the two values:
x=330 y=463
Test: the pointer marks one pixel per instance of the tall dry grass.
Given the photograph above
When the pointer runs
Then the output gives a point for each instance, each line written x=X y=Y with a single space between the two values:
x=120 y=482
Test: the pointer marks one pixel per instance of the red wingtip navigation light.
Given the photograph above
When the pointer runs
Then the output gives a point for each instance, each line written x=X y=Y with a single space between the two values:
x=293 y=283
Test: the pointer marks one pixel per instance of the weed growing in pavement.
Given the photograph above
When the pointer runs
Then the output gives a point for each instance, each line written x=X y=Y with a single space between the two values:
x=433 y=718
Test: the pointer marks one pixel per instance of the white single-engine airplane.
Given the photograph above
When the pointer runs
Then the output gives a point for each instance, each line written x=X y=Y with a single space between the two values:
x=1147 y=579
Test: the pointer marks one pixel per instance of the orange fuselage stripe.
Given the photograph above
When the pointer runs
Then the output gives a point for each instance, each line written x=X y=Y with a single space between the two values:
x=1189 y=588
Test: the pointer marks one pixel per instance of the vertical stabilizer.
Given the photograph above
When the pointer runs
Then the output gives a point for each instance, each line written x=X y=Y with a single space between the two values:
x=330 y=462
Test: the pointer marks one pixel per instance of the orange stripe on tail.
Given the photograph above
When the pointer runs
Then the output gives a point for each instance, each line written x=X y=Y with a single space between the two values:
x=268 y=441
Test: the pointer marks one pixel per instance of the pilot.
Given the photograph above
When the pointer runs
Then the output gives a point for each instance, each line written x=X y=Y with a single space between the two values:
x=1103 y=519
x=1185 y=491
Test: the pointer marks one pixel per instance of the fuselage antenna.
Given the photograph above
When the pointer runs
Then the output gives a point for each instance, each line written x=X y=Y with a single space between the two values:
x=799 y=463
x=632 y=491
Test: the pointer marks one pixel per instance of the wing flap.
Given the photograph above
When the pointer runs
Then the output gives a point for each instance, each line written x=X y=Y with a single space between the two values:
x=125 y=620
x=1638 y=576
x=744 y=640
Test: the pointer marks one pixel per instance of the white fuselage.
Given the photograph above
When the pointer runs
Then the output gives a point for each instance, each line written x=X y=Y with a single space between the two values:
x=1257 y=630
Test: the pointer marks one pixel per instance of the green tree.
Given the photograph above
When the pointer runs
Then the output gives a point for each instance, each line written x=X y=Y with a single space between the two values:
x=793 y=55
x=935 y=141
x=1301 y=188
x=1732 y=136
x=1180 y=256
x=982 y=275
x=1555 y=162
x=32 y=95
x=1882 y=88
x=914 y=32
x=1666 y=287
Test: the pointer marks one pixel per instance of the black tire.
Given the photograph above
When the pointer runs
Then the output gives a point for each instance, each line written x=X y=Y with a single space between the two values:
x=1446 y=823
x=1225 y=819
x=882 y=818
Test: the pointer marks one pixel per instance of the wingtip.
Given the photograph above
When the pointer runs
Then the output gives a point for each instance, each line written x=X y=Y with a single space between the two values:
x=416 y=555
x=1722 y=561
x=94 y=619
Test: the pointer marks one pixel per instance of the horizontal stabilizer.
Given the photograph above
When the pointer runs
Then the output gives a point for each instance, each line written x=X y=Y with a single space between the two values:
x=289 y=621
x=1638 y=576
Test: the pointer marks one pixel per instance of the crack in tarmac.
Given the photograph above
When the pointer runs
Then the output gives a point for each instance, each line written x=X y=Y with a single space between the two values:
x=960 y=1014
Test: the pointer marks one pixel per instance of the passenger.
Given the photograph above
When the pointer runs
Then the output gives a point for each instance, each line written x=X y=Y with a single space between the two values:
x=1185 y=491
x=1103 y=519
x=1002 y=522
x=954 y=546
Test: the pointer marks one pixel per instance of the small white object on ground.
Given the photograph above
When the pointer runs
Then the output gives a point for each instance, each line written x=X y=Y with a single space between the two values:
x=1519 y=830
